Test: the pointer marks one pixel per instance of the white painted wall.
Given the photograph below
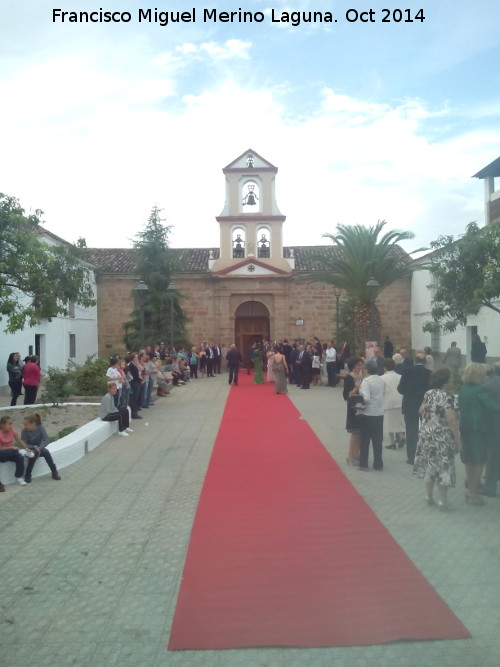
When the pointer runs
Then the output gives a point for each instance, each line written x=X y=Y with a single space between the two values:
x=55 y=342
x=487 y=322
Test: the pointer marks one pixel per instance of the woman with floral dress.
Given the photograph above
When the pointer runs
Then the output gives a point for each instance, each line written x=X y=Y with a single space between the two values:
x=439 y=438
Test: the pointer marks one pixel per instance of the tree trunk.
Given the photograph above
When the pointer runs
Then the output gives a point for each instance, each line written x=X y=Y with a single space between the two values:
x=362 y=326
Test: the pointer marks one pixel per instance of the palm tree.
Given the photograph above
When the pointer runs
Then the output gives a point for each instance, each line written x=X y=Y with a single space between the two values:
x=362 y=253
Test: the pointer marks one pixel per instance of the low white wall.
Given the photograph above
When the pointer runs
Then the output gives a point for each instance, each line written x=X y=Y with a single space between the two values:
x=67 y=450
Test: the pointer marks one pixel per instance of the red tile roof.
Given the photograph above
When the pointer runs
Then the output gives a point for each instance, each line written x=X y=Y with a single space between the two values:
x=195 y=260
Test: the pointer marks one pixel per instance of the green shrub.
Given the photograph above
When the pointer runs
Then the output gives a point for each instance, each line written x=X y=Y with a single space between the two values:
x=90 y=379
x=59 y=384
x=66 y=431
x=63 y=432
x=74 y=380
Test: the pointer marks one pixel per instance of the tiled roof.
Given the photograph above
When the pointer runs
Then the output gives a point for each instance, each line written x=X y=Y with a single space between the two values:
x=122 y=260
x=195 y=260
x=308 y=257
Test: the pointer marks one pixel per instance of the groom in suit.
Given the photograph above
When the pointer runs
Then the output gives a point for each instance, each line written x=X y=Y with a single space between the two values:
x=234 y=359
x=304 y=363
x=210 y=361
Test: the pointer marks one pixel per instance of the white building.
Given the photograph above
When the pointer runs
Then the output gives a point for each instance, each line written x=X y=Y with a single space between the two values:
x=73 y=337
x=486 y=323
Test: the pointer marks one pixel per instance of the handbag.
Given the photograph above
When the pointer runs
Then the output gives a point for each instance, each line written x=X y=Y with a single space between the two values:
x=357 y=403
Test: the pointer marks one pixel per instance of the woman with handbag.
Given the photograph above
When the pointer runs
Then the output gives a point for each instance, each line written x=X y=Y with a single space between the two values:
x=352 y=382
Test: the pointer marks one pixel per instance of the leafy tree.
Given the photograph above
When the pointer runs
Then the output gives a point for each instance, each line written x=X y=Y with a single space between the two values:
x=155 y=266
x=363 y=253
x=466 y=275
x=37 y=280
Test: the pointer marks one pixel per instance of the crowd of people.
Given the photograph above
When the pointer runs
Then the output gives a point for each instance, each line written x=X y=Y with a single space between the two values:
x=422 y=411
x=392 y=391
x=302 y=363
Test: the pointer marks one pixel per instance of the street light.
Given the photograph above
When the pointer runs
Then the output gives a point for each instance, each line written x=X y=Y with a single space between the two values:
x=141 y=290
x=338 y=293
x=372 y=283
x=171 y=290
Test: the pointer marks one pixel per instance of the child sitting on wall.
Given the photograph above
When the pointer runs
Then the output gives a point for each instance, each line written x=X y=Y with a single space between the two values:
x=36 y=439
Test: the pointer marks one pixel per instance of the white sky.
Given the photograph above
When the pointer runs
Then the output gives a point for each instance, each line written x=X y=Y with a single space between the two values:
x=99 y=122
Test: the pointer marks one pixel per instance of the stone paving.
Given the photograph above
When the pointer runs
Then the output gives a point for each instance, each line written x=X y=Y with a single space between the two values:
x=91 y=565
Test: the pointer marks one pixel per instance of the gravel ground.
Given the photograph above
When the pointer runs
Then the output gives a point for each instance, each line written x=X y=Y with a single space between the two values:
x=55 y=418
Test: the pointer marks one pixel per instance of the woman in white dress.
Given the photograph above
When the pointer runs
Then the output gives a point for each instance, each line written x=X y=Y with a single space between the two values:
x=270 y=364
x=393 y=416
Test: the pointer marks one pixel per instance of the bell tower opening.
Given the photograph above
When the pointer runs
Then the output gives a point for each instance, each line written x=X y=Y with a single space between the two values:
x=263 y=242
x=250 y=197
x=239 y=243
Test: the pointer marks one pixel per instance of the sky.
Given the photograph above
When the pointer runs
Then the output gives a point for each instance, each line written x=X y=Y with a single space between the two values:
x=365 y=119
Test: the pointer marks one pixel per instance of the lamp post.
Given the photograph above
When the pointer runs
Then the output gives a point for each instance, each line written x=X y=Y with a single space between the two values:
x=141 y=290
x=171 y=290
x=372 y=284
x=338 y=292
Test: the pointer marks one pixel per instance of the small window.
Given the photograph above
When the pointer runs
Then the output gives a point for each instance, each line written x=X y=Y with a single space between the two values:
x=72 y=346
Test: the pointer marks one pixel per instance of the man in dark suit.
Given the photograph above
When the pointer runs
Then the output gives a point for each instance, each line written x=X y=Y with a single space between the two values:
x=234 y=359
x=388 y=348
x=210 y=361
x=304 y=363
x=379 y=360
x=407 y=361
x=217 y=358
x=413 y=385
x=287 y=350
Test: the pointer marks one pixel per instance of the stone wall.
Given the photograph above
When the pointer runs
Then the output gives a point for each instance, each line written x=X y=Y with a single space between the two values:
x=114 y=307
x=394 y=306
x=210 y=303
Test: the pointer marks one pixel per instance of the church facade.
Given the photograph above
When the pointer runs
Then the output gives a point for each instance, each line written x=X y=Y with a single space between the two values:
x=252 y=286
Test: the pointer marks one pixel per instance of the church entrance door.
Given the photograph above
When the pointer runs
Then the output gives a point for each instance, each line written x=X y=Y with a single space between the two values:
x=251 y=325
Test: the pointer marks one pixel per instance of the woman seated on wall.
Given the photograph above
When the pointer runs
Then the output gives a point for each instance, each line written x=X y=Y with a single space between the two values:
x=109 y=413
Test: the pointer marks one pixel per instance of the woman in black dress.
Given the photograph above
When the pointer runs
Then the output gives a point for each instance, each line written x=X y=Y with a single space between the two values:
x=352 y=382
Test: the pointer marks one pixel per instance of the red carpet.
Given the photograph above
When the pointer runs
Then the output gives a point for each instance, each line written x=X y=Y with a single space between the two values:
x=284 y=552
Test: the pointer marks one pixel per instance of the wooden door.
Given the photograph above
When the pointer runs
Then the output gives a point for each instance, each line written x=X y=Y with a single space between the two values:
x=249 y=330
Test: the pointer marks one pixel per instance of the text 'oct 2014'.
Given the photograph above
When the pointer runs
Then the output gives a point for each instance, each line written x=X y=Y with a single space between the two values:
x=275 y=16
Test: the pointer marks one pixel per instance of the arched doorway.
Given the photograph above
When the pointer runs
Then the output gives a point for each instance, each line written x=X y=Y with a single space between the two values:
x=251 y=325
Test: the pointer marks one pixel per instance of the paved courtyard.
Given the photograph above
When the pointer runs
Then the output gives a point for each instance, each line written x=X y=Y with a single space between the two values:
x=91 y=565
